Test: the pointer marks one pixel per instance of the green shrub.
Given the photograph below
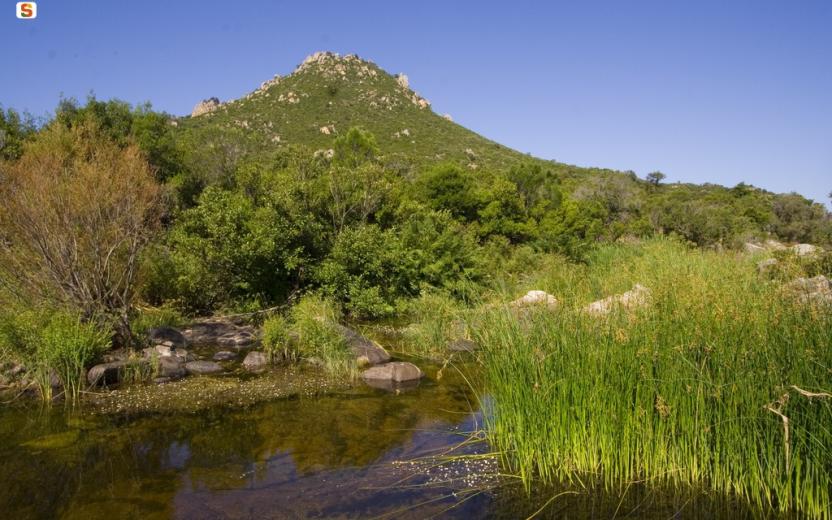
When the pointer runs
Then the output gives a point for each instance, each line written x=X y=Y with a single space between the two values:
x=368 y=270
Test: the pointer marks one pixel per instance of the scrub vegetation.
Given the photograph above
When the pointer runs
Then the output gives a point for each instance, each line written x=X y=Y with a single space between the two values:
x=337 y=194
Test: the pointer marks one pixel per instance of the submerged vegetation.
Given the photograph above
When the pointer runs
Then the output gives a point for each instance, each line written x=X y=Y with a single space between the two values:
x=721 y=382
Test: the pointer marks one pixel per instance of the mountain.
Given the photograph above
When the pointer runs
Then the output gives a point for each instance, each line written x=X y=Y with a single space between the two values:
x=328 y=94
x=325 y=96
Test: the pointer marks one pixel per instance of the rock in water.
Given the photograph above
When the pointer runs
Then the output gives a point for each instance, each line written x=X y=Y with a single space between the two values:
x=200 y=368
x=255 y=361
x=170 y=367
x=224 y=355
x=391 y=376
x=166 y=336
x=366 y=352
x=106 y=373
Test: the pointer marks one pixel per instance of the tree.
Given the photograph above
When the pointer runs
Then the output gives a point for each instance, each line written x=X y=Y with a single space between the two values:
x=655 y=178
x=77 y=210
x=14 y=131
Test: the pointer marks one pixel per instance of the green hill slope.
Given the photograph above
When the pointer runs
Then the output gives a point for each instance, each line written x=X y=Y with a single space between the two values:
x=325 y=96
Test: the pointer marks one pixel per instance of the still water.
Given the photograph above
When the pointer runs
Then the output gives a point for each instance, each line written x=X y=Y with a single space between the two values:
x=361 y=453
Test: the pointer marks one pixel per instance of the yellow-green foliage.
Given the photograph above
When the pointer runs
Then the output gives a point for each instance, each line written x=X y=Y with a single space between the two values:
x=685 y=390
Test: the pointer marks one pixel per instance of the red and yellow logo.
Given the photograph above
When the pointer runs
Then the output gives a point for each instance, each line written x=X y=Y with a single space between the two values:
x=27 y=10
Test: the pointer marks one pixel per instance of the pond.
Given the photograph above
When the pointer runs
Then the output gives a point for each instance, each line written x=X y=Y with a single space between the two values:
x=356 y=453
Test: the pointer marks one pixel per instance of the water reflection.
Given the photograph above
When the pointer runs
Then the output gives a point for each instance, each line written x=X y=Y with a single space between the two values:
x=326 y=457
x=338 y=456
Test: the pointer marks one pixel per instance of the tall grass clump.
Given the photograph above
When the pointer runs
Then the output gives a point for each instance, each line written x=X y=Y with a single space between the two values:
x=721 y=382
x=53 y=344
x=276 y=336
x=436 y=319
x=314 y=336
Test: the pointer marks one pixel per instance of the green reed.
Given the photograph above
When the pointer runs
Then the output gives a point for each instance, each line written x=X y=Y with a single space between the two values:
x=690 y=390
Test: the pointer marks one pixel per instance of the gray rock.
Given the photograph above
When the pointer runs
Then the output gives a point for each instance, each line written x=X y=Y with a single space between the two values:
x=751 y=247
x=224 y=355
x=161 y=380
x=203 y=368
x=162 y=351
x=811 y=290
x=396 y=371
x=255 y=361
x=394 y=376
x=764 y=266
x=366 y=352
x=205 y=106
x=106 y=373
x=536 y=298
x=804 y=249
x=219 y=331
x=636 y=297
x=167 y=336
x=462 y=345
x=170 y=367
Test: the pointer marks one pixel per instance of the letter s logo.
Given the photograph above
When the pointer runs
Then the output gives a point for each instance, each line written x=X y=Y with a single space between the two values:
x=27 y=10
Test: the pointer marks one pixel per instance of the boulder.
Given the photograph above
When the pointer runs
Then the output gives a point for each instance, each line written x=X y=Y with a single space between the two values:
x=255 y=361
x=390 y=376
x=170 y=367
x=764 y=266
x=774 y=245
x=224 y=355
x=536 y=298
x=106 y=373
x=162 y=351
x=804 y=249
x=366 y=352
x=462 y=345
x=811 y=290
x=635 y=297
x=219 y=331
x=751 y=247
x=200 y=368
x=166 y=336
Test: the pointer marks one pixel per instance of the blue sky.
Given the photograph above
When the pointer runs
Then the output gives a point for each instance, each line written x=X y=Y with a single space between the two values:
x=704 y=91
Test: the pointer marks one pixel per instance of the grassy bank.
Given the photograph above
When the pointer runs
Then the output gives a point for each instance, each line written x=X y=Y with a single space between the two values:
x=705 y=386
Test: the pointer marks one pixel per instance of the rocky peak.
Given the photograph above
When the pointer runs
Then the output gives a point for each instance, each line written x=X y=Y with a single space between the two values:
x=205 y=106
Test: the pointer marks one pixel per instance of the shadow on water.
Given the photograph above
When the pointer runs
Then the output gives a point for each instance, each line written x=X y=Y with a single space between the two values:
x=360 y=454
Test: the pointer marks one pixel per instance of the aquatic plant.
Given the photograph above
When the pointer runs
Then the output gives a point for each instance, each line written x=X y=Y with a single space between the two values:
x=721 y=382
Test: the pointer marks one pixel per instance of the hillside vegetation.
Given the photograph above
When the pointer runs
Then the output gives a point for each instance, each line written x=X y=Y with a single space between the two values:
x=337 y=179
